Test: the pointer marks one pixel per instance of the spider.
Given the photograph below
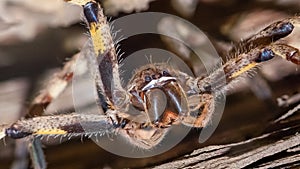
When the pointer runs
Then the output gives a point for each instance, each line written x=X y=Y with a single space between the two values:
x=189 y=100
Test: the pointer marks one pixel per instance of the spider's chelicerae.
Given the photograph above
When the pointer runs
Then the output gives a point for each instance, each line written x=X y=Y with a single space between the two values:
x=148 y=128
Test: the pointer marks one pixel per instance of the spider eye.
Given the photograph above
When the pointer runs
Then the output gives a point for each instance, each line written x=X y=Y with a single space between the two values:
x=148 y=78
x=165 y=73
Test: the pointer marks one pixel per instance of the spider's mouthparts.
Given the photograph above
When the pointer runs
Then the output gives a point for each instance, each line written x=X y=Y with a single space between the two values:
x=157 y=82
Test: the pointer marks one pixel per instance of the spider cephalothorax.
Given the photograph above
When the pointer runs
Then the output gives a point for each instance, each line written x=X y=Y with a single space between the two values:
x=157 y=102
x=156 y=90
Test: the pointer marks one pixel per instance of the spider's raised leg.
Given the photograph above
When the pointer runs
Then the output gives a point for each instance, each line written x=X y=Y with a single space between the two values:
x=244 y=58
x=285 y=51
x=257 y=49
x=108 y=81
x=107 y=73
x=268 y=36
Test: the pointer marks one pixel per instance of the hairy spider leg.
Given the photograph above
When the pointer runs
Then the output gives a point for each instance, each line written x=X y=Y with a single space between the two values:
x=65 y=125
x=105 y=52
x=244 y=58
x=250 y=53
x=104 y=48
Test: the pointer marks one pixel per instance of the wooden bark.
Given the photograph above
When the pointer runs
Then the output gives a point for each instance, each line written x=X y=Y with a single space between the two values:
x=260 y=152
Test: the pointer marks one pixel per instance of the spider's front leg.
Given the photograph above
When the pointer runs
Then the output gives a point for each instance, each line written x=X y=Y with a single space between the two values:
x=109 y=77
x=73 y=124
x=113 y=96
x=250 y=53
x=107 y=67
x=270 y=37
x=243 y=58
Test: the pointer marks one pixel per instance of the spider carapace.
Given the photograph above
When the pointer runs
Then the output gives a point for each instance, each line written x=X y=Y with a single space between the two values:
x=162 y=96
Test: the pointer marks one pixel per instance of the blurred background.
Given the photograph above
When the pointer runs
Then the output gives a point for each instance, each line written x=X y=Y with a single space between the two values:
x=38 y=37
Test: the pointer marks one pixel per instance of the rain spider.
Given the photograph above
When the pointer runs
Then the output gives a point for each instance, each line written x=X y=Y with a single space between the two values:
x=189 y=101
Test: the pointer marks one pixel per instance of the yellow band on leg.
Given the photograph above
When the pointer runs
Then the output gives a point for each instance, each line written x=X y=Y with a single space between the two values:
x=243 y=70
x=50 y=131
